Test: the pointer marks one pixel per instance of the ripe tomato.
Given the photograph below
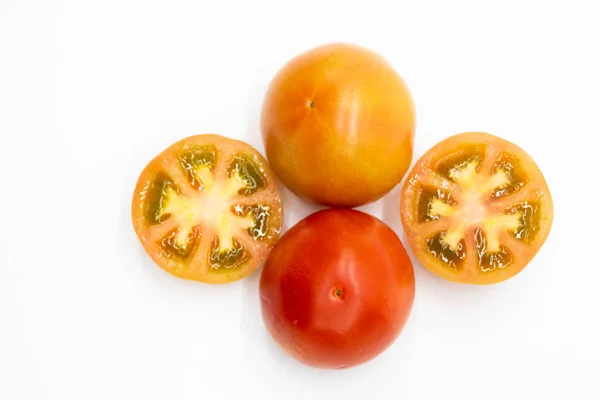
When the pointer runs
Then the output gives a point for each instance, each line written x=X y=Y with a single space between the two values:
x=476 y=209
x=337 y=289
x=208 y=209
x=338 y=125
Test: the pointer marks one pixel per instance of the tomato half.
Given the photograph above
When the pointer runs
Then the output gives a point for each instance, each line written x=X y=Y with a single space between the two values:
x=338 y=125
x=476 y=209
x=208 y=209
x=337 y=289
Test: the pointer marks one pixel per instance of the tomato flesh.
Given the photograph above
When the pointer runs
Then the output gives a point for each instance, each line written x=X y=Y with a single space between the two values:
x=208 y=209
x=337 y=289
x=476 y=209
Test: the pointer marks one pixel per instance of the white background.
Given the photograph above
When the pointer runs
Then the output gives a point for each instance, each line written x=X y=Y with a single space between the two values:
x=90 y=91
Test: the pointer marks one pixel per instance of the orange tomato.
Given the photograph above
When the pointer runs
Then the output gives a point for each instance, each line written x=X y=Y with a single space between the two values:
x=476 y=209
x=208 y=209
x=338 y=125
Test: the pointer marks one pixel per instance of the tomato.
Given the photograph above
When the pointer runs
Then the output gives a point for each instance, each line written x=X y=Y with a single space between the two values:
x=208 y=209
x=338 y=125
x=337 y=289
x=476 y=209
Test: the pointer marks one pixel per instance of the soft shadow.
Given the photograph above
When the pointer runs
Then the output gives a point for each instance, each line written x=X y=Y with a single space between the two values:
x=390 y=211
x=375 y=208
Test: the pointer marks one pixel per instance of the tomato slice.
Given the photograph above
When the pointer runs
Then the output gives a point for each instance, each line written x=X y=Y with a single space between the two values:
x=476 y=209
x=208 y=209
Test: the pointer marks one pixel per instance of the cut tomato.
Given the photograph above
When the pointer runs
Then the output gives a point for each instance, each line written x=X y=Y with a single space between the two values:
x=476 y=209
x=208 y=209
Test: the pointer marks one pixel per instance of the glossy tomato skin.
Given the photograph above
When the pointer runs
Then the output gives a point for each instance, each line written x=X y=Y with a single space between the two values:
x=338 y=125
x=337 y=289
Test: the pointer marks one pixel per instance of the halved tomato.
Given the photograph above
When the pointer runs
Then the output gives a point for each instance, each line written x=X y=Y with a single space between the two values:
x=476 y=209
x=208 y=209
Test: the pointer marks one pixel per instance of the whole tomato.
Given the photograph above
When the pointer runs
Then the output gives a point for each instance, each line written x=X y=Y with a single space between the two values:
x=338 y=125
x=337 y=289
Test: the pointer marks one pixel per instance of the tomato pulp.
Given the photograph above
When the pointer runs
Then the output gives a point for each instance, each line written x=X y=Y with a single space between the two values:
x=208 y=209
x=476 y=209
x=337 y=289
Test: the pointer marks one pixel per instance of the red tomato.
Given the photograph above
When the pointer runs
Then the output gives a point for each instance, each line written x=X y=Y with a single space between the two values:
x=337 y=289
x=338 y=124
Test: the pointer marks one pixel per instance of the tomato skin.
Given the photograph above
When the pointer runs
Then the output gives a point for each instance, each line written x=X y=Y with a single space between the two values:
x=302 y=307
x=338 y=125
